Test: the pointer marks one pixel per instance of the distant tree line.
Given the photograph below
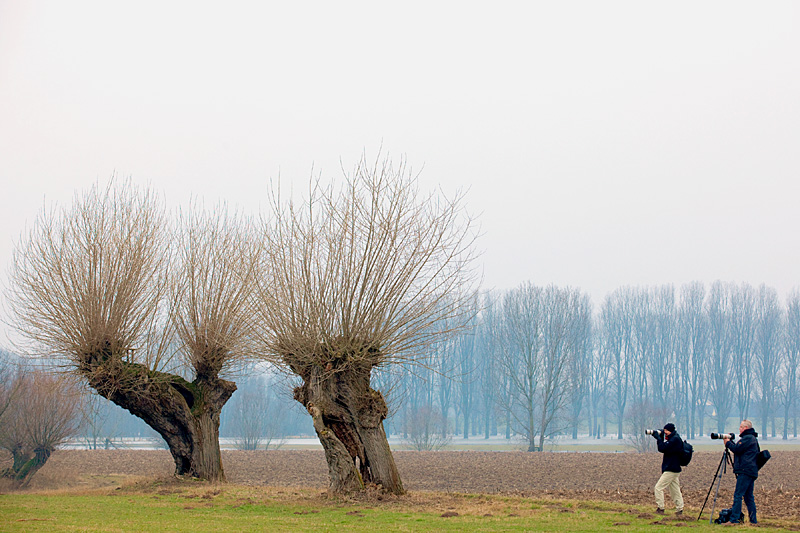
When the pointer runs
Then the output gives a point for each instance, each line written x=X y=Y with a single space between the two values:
x=541 y=361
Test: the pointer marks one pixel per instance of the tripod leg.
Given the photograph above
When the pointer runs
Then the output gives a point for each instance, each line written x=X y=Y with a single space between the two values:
x=714 y=504
x=716 y=474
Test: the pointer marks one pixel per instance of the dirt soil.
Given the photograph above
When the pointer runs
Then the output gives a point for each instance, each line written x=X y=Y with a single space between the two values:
x=618 y=477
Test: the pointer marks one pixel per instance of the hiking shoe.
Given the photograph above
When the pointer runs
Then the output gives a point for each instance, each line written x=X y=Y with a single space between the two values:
x=679 y=512
x=659 y=511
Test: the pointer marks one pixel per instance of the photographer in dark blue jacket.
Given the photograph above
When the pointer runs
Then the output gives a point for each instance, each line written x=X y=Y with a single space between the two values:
x=746 y=470
x=671 y=445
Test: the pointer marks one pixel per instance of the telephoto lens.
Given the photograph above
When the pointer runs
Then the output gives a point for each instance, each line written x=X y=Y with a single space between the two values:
x=655 y=432
x=722 y=435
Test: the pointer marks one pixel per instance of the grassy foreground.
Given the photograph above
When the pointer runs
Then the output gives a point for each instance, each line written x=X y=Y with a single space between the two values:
x=193 y=506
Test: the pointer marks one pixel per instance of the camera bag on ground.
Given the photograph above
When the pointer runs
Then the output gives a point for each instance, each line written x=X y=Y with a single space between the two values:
x=762 y=457
x=688 y=450
x=724 y=516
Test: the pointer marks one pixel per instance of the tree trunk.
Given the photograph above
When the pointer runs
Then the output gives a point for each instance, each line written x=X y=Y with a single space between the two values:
x=348 y=418
x=26 y=463
x=185 y=414
x=531 y=433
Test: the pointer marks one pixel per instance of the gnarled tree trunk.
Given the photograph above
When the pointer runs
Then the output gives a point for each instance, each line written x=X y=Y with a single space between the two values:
x=26 y=463
x=348 y=418
x=186 y=414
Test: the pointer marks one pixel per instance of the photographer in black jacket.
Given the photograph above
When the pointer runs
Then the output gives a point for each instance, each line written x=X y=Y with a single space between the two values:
x=671 y=445
x=746 y=470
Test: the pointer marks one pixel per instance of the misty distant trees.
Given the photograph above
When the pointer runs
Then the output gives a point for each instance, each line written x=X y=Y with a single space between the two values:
x=463 y=386
x=546 y=363
x=543 y=345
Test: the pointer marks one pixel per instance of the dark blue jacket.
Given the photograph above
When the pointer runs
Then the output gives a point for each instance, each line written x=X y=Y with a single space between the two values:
x=744 y=453
x=672 y=448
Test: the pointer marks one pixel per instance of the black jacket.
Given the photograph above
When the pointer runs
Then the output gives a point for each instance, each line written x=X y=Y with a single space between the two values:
x=744 y=453
x=672 y=448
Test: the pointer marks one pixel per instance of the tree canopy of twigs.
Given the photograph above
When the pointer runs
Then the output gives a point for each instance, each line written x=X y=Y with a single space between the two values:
x=92 y=277
x=218 y=260
x=373 y=269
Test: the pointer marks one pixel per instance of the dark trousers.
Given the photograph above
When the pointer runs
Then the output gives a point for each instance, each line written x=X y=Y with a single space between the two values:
x=744 y=490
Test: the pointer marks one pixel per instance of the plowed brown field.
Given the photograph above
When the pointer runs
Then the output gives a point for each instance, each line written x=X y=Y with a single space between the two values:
x=619 y=477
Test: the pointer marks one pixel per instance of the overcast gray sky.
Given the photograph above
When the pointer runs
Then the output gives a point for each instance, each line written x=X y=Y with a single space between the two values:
x=603 y=143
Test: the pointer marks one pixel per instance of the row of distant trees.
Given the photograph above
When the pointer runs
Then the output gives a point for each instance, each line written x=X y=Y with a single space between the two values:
x=541 y=361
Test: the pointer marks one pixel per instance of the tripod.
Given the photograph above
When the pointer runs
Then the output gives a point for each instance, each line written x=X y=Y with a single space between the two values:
x=726 y=459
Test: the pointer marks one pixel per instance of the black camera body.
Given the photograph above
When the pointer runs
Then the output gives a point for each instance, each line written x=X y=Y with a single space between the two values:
x=655 y=432
x=722 y=435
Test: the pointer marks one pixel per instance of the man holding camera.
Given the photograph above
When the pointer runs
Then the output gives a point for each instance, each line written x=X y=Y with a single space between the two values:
x=746 y=470
x=671 y=445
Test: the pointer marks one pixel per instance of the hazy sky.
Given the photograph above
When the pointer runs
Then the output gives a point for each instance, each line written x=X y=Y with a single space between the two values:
x=602 y=143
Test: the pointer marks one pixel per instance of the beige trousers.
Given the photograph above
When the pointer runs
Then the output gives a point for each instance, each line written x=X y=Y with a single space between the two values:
x=671 y=481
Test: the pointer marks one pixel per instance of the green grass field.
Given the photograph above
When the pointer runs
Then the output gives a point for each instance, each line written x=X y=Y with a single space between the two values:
x=194 y=506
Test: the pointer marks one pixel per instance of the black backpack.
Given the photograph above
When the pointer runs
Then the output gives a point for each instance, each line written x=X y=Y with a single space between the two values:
x=762 y=458
x=688 y=450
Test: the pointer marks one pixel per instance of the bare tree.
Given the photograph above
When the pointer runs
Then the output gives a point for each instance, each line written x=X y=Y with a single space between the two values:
x=545 y=330
x=466 y=354
x=599 y=381
x=423 y=428
x=97 y=426
x=768 y=348
x=255 y=416
x=566 y=322
x=487 y=364
x=139 y=310
x=693 y=353
x=743 y=331
x=357 y=278
x=790 y=362
x=579 y=346
x=41 y=416
x=641 y=416
x=615 y=331
x=520 y=361
x=720 y=365
x=9 y=387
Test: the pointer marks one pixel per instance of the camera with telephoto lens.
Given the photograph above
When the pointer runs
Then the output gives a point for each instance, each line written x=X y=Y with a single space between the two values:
x=722 y=435
x=656 y=432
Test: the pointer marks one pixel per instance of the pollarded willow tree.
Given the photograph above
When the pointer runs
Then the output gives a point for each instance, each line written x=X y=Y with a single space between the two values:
x=150 y=316
x=356 y=278
x=41 y=413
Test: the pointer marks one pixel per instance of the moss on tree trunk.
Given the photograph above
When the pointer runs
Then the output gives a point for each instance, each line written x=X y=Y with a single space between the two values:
x=26 y=464
x=186 y=414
